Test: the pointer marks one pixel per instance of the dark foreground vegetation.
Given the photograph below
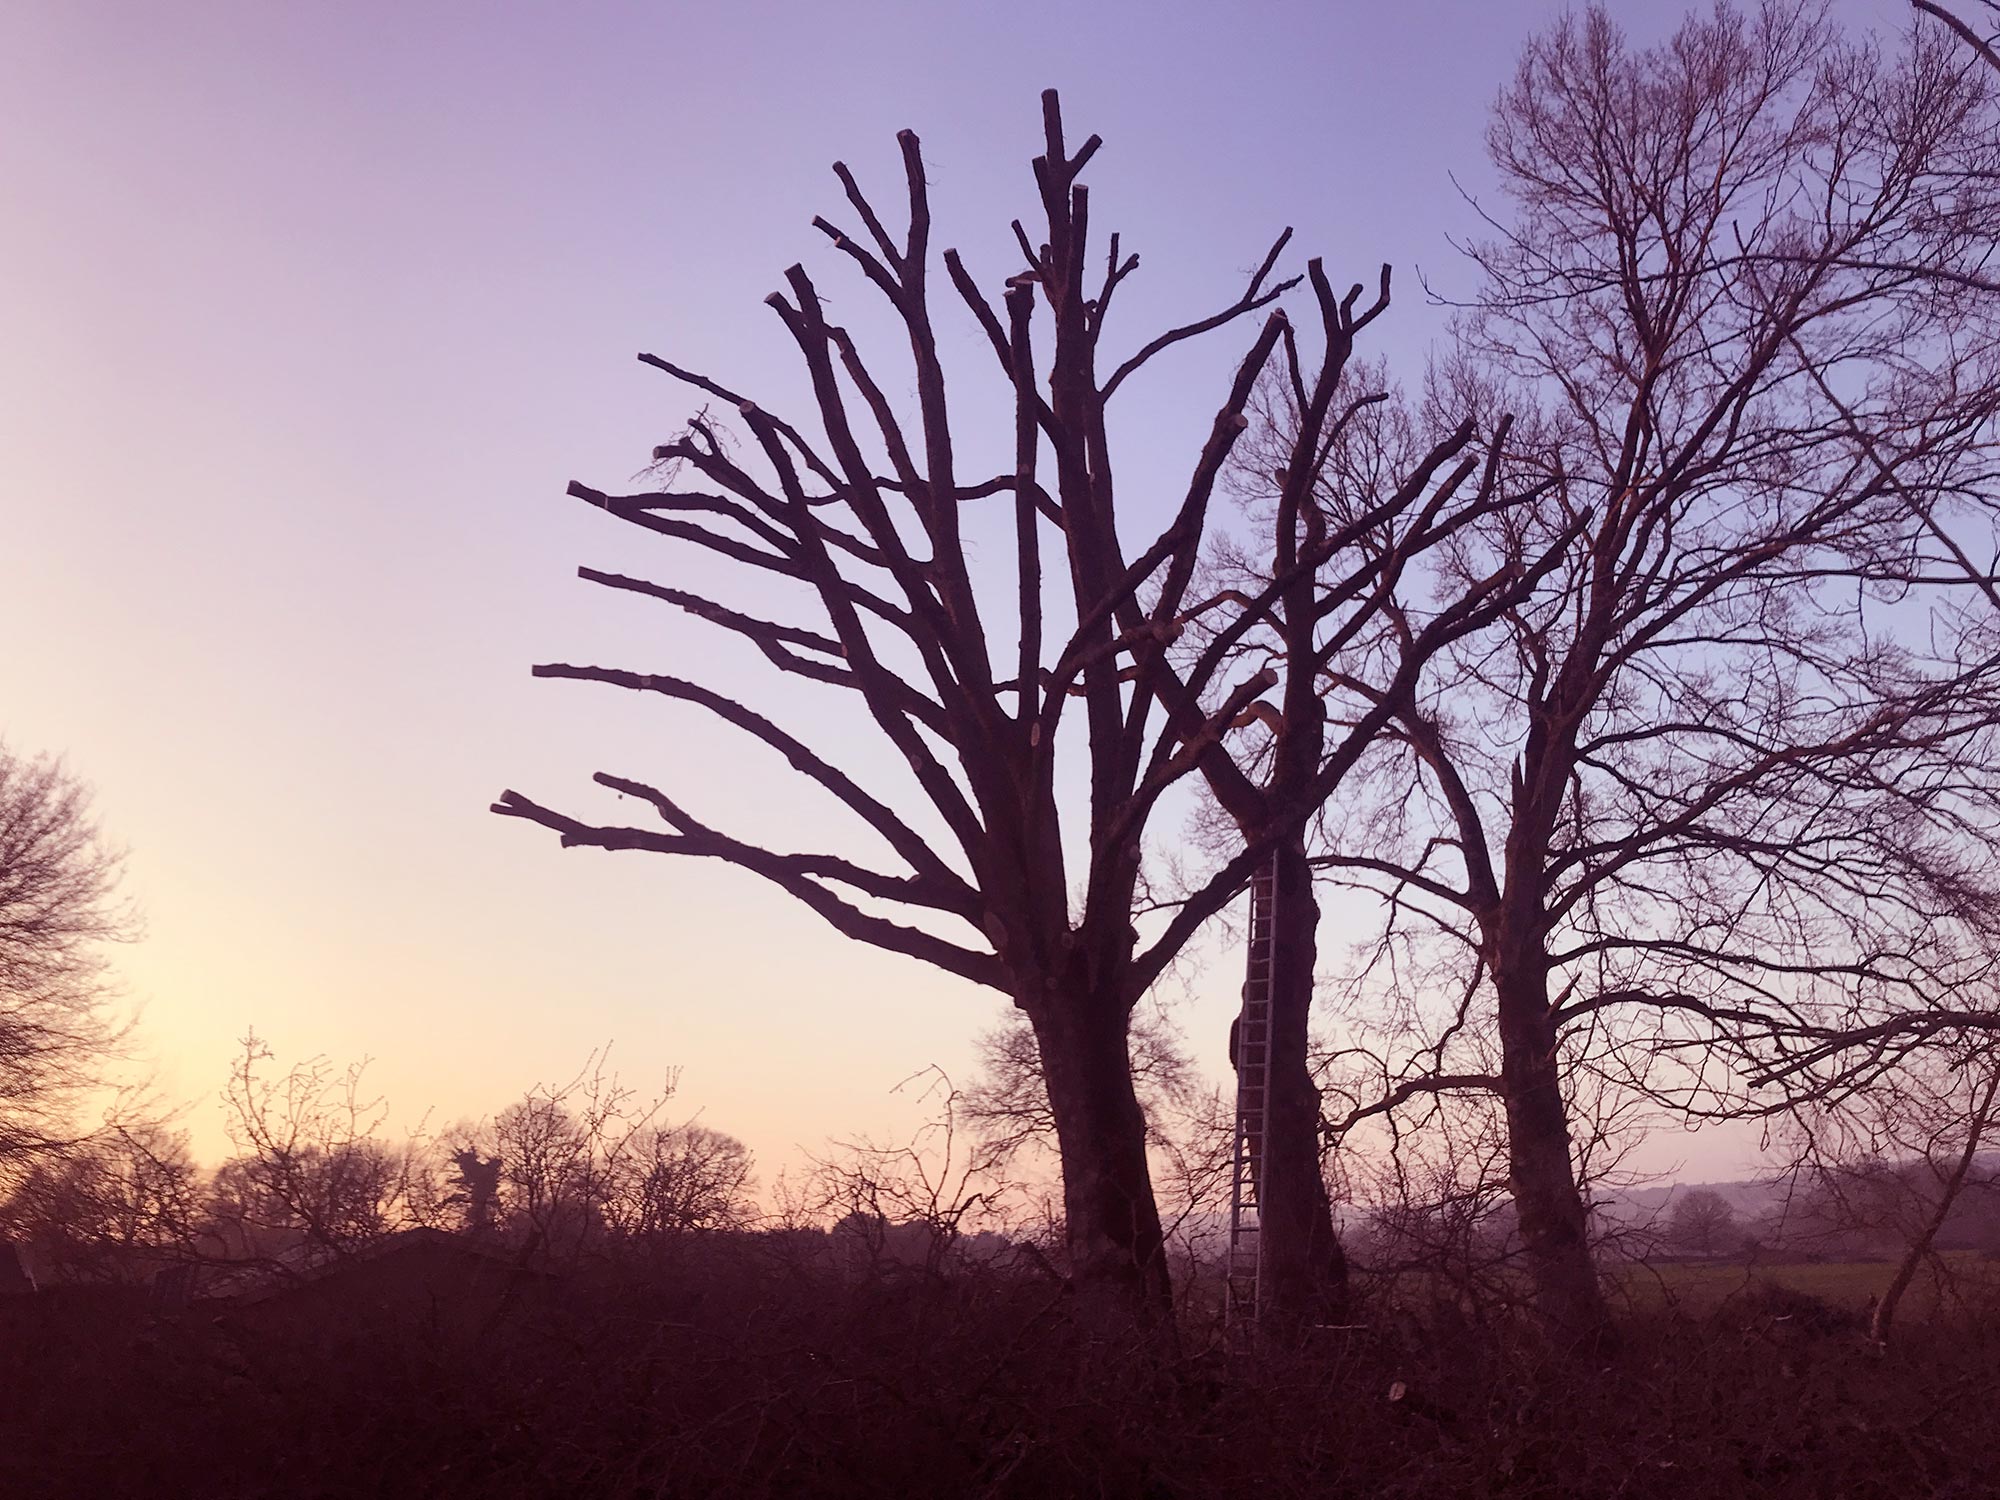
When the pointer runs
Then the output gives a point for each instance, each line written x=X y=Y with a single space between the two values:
x=1642 y=671
x=759 y=1365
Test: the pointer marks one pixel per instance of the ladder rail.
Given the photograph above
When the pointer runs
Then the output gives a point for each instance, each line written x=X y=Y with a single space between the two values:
x=1244 y=1273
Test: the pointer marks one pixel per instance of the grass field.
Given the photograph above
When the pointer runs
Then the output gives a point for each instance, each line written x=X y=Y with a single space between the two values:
x=1848 y=1286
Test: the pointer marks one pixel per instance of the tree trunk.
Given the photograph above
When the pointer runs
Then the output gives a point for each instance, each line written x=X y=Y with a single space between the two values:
x=1906 y=1272
x=1117 y=1252
x=1948 y=1191
x=1540 y=1173
x=1304 y=1269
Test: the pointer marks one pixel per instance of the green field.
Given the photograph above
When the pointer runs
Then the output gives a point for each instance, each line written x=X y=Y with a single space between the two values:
x=1849 y=1286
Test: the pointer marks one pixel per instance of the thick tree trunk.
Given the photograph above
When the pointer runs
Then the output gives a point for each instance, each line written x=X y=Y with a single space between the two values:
x=1116 y=1250
x=1540 y=1172
x=1305 y=1269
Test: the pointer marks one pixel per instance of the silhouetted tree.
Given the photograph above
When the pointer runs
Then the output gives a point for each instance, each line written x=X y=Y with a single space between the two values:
x=1351 y=639
x=866 y=516
x=568 y=1153
x=916 y=1202
x=1963 y=29
x=1189 y=1124
x=311 y=1182
x=478 y=1187
x=114 y=1208
x=1721 y=774
x=1829 y=1060
x=1701 y=1222
x=58 y=908
x=683 y=1177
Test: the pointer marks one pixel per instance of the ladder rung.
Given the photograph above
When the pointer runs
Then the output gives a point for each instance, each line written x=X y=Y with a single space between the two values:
x=1251 y=1044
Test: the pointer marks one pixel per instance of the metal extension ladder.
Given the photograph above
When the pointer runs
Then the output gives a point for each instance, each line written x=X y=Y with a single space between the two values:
x=1252 y=1056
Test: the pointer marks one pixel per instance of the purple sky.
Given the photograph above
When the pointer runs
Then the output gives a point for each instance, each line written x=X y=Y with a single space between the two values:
x=307 y=314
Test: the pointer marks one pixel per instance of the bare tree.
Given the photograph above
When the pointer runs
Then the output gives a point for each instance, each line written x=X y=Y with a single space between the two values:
x=684 y=1177
x=1720 y=774
x=115 y=1208
x=312 y=1182
x=1701 y=1222
x=915 y=1203
x=865 y=516
x=58 y=908
x=1341 y=458
x=1425 y=1160
x=1964 y=30
x=578 y=1160
x=589 y=1165
x=1431 y=1193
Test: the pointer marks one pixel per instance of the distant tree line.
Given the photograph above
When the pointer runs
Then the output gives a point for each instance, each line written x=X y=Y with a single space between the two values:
x=587 y=1169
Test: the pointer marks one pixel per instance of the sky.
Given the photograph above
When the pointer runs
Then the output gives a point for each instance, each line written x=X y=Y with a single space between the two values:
x=309 y=312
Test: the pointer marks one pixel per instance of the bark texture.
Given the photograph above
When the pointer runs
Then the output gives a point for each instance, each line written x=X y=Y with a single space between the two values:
x=1554 y=1224
x=1305 y=1268
x=1111 y=1219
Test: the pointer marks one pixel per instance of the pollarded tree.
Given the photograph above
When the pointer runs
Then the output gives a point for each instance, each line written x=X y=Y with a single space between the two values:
x=864 y=514
x=1361 y=607
x=1350 y=640
x=1722 y=773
